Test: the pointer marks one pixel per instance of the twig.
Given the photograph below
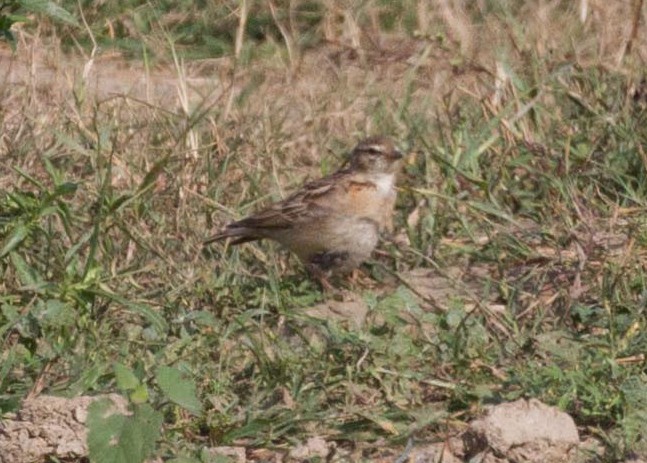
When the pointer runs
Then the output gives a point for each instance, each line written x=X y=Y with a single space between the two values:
x=240 y=32
x=287 y=37
x=405 y=454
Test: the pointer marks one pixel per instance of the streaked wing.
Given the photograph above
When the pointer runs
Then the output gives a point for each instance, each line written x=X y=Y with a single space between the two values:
x=313 y=200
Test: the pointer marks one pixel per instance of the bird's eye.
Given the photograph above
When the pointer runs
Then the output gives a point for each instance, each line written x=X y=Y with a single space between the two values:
x=374 y=151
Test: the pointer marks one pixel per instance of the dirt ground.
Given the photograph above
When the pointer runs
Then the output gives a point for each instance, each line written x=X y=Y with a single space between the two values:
x=521 y=431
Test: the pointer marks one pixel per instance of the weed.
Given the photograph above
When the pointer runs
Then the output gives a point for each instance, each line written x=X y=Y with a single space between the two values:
x=516 y=270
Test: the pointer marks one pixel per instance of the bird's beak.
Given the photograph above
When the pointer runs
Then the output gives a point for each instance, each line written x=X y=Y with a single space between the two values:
x=396 y=154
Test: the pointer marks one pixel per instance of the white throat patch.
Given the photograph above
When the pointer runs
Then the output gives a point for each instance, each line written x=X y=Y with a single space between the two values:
x=384 y=183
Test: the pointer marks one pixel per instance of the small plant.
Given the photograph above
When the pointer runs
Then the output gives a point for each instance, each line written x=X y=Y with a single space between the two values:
x=17 y=11
x=516 y=268
x=115 y=437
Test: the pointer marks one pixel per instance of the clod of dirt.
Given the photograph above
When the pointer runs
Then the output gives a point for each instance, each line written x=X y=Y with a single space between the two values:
x=48 y=426
x=454 y=284
x=352 y=311
x=524 y=431
x=231 y=454
x=315 y=447
x=447 y=452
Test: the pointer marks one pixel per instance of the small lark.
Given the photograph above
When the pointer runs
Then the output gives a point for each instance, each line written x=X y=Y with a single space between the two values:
x=331 y=224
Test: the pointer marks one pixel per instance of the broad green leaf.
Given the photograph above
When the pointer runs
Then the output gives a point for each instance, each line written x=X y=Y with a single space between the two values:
x=6 y=33
x=73 y=251
x=152 y=316
x=203 y=317
x=20 y=232
x=50 y=9
x=140 y=394
x=66 y=188
x=7 y=364
x=116 y=438
x=397 y=303
x=58 y=314
x=28 y=276
x=491 y=209
x=634 y=421
x=179 y=389
x=126 y=379
x=9 y=312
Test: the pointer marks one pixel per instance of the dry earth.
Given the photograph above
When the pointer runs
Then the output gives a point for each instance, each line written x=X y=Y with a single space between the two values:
x=523 y=431
x=518 y=432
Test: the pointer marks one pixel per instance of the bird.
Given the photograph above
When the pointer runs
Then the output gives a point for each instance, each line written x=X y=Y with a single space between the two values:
x=332 y=224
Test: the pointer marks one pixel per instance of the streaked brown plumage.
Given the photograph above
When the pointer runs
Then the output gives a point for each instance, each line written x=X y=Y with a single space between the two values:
x=331 y=224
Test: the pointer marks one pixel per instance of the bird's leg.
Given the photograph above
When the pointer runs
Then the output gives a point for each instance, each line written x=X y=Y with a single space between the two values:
x=359 y=277
x=316 y=273
x=323 y=263
x=354 y=276
x=325 y=284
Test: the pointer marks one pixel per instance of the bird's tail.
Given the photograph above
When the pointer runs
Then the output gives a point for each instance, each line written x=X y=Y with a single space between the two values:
x=238 y=235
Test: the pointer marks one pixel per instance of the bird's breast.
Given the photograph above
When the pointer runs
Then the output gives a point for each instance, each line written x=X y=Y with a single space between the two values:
x=370 y=198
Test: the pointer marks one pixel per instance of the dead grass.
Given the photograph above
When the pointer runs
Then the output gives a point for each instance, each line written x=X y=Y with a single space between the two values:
x=521 y=206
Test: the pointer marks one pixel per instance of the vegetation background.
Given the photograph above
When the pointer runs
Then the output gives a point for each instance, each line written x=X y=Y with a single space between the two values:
x=130 y=130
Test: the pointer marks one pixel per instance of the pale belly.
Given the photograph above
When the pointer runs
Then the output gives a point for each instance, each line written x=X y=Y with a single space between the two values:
x=349 y=237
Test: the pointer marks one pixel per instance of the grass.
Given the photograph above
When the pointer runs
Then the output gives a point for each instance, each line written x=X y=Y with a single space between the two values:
x=524 y=196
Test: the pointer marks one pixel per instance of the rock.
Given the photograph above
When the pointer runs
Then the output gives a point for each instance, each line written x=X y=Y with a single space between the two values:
x=234 y=454
x=442 y=451
x=524 y=431
x=49 y=426
x=315 y=447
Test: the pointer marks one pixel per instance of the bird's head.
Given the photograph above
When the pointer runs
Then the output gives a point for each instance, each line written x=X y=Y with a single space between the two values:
x=376 y=155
